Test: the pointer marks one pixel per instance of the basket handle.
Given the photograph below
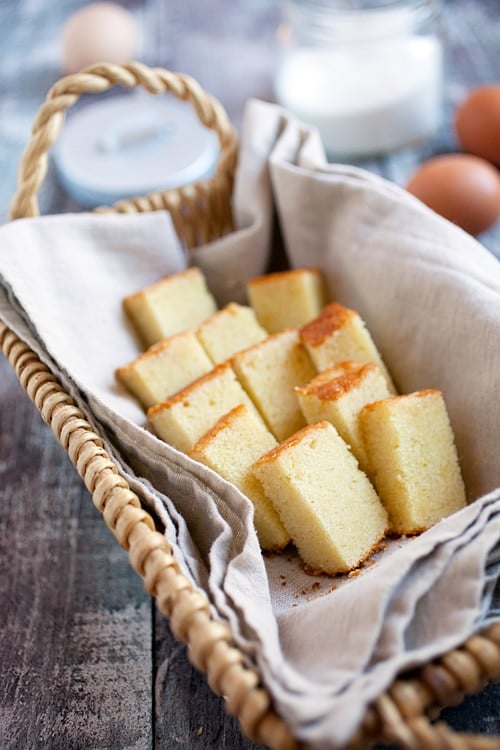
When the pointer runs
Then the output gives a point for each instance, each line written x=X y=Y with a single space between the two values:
x=96 y=79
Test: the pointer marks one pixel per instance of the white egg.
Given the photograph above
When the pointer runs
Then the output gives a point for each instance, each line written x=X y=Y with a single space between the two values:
x=99 y=32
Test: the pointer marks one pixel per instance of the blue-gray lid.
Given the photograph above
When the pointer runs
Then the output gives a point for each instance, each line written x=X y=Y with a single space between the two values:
x=131 y=145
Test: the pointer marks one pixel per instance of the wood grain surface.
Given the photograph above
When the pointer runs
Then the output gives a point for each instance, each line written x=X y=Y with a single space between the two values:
x=86 y=660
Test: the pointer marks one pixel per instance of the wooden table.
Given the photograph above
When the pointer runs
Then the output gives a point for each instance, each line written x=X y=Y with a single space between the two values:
x=86 y=660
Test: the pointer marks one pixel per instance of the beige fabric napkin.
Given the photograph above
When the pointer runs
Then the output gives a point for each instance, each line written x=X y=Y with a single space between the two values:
x=430 y=295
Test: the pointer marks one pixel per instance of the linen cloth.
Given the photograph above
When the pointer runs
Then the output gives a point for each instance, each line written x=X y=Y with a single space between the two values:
x=430 y=294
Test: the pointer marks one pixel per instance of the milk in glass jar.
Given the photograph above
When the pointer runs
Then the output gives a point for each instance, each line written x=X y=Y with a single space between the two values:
x=367 y=73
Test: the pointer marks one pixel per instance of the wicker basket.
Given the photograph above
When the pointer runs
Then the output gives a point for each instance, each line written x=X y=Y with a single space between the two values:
x=202 y=212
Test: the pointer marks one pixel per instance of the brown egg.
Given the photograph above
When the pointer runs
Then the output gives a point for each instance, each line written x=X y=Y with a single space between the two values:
x=477 y=123
x=98 y=32
x=463 y=188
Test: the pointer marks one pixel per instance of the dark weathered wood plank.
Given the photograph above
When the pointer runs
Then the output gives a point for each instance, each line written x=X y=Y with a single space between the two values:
x=75 y=623
x=187 y=712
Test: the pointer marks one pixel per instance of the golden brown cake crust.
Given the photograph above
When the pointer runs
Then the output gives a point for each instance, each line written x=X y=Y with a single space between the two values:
x=184 y=393
x=151 y=352
x=377 y=546
x=220 y=425
x=403 y=397
x=294 y=439
x=262 y=344
x=165 y=280
x=328 y=387
x=330 y=319
x=277 y=275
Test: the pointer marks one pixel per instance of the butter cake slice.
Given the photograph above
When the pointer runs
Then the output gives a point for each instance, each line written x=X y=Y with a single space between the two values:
x=413 y=459
x=165 y=368
x=230 y=448
x=339 y=334
x=338 y=394
x=287 y=299
x=176 y=303
x=229 y=330
x=325 y=501
x=269 y=372
x=182 y=419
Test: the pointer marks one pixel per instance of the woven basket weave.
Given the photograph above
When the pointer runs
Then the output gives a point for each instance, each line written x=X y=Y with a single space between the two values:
x=202 y=212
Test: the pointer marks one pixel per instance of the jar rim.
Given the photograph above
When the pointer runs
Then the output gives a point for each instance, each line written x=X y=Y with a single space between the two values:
x=361 y=20
x=364 y=6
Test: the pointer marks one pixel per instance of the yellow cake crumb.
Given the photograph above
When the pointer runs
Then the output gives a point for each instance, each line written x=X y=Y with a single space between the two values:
x=269 y=372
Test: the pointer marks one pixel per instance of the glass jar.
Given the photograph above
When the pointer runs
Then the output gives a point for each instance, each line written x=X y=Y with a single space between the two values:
x=367 y=73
